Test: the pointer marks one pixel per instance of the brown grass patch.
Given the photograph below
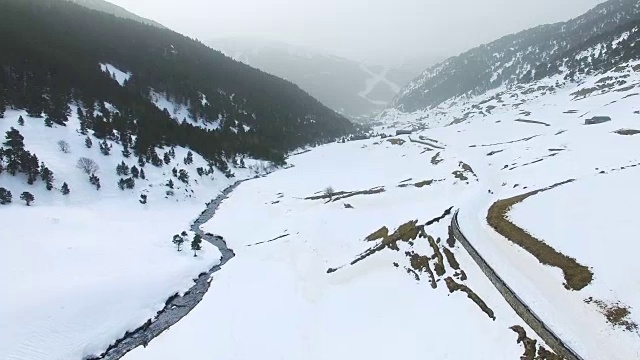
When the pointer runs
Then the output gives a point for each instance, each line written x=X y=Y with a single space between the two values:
x=373 y=191
x=627 y=132
x=327 y=195
x=576 y=276
x=451 y=240
x=381 y=233
x=616 y=314
x=435 y=160
x=453 y=286
x=532 y=122
x=530 y=347
x=396 y=141
x=420 y=263
x=494 y=152
x=507 y=142
x=451 y=259
x=439 y=265
x=420 y=184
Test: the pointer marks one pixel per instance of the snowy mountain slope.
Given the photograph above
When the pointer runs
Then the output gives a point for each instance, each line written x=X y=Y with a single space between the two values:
x=83 y=268
x=516 y=140
x=115 y=10
x=344 y=85
x=513 y=58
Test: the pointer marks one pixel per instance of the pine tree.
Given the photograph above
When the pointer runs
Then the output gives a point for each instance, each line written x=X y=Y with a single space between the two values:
x=178 y=241
x=21 y=121
x=65 y=189
x=189 y=159
x=170 y=184
x=88 y=143
x=183 y=176
x=48 y=122
x=126 y=152
x=142 y=175
x=5 y=196
x=242 y=165
x=27 y=197
x=196 y=244
x=141 y=162
x=166 y=158
x=47 y=176
x=122 y=169
x=174 y=171
x=172 y=152
x=83 y=123
x=105 y=148
x=200 y=171
x=135 y=172
x=94 y=180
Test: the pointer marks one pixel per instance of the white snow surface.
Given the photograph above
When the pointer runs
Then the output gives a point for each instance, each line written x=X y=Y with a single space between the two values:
x=180 y=112
x=80 y=270
x=120 y=76
x=275 y=300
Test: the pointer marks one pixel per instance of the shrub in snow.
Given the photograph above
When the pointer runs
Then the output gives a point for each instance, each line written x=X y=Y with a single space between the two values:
x=143 y=199
x=170 y=184
x=94 y=180
x=135 y=172
x=200 y=171
x=166 y=158
x=178 y=240
x=141 y=162
x=65 y=189
x=21 y=121
x=64 y=146
x=183 y=176
x=128 y=183
x=196 y=244
x=88 y=143
x=5 y=196
x=27 y=197
x=88 y=166
x=142 y=175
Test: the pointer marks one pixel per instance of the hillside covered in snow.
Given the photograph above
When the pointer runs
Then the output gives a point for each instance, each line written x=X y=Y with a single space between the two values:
x=342 y=251
x=528 y=55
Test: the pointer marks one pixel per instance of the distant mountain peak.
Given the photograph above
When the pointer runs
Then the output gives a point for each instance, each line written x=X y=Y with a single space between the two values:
x=352 y=88
x=514 y=58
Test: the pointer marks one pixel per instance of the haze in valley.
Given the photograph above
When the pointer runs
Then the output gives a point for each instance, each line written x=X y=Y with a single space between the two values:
x=373 y=31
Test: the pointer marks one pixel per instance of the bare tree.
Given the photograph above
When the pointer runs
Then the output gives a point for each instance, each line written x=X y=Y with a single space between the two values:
x=64 y=146
x=87 y=165
x=329 y=191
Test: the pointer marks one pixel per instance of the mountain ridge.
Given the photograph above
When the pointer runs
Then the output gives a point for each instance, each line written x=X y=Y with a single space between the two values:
x=512 y=58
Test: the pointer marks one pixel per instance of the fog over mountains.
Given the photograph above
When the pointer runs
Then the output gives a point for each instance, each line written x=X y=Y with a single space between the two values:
x=352 y=88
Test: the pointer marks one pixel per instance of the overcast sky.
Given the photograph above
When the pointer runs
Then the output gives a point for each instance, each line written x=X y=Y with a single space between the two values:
x=375 y=31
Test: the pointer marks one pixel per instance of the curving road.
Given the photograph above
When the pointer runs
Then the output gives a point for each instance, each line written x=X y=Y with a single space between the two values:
x=518 y=305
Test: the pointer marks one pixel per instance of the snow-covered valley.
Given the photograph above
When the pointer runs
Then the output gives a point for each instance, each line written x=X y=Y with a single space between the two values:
x=292 y=291
x=145 y=218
